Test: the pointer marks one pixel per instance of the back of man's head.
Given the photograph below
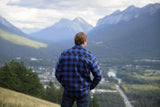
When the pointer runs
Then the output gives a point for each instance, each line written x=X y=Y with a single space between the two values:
x=80 y=38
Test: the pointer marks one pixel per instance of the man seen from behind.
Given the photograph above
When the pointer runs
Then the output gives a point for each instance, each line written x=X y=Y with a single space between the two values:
x=73 y=72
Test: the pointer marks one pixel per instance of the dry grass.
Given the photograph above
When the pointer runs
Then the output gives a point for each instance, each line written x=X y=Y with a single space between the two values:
x=10 y=98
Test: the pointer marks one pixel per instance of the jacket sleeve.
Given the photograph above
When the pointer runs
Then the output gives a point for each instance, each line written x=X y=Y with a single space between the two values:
x=58 y=70
x=96 y=72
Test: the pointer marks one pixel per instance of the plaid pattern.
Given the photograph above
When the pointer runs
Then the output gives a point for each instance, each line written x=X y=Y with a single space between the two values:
x=73 y=71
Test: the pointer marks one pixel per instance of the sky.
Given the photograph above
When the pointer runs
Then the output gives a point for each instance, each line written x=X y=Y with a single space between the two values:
x=33 y=15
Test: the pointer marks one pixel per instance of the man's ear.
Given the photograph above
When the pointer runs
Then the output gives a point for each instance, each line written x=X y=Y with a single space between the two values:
x=85 y=43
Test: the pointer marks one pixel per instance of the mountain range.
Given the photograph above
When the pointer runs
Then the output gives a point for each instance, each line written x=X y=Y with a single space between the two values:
x=63 y=30
x=133 y=33
x=128 y=14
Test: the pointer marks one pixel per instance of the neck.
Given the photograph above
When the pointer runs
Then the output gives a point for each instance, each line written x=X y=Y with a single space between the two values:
x=82 y=45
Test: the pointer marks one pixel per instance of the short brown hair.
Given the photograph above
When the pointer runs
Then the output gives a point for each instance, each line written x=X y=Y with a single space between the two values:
x=80 y=38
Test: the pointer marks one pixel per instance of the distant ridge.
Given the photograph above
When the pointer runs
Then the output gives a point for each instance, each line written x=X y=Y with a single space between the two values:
x=8 y=27
x=132 y=33
x=63 y=30
x=20 y=40
x=12 y=34
x=13 y=42
x=128 y=14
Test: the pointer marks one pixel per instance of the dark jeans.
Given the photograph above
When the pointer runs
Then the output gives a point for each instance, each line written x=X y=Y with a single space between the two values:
x=81 y=101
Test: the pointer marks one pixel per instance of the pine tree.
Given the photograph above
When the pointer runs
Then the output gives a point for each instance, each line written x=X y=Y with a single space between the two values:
x=8 y=79
x=51 y=92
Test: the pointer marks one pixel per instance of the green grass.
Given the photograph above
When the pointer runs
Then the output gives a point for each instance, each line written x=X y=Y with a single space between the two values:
x=20 y=40
x=10 y=98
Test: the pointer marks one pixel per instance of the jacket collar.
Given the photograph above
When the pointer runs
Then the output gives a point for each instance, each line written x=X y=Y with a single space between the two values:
x=78 y=46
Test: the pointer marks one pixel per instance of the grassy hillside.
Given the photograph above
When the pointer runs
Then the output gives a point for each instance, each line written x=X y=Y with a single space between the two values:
x=19 y=40
x=10 y=98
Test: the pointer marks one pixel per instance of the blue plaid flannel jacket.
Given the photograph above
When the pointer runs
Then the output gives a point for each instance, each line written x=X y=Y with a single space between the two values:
x=73 y=71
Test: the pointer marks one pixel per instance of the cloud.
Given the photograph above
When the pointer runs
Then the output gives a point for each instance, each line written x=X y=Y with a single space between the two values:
x=78 y=4
x=31 y=14
x=29 y=17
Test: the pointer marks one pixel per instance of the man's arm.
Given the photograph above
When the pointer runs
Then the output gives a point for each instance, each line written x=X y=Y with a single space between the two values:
x=96 y=72
x=58 y=70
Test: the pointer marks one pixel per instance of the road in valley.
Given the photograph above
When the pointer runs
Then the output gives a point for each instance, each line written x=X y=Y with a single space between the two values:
x=126 y=101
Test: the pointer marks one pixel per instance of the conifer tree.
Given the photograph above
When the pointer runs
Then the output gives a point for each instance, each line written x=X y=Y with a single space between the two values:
x=17 y=77
x=8 y=79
